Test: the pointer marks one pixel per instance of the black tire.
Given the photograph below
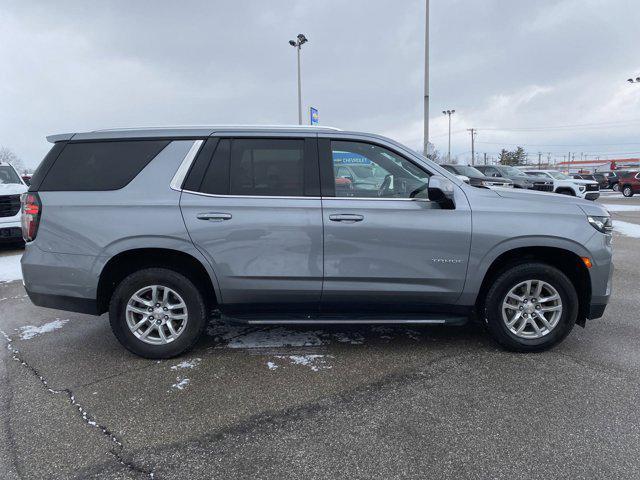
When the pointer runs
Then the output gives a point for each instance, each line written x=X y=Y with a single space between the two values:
x=566 y=191
x=193 y=298
x=616 y=187
x=627 y=191
x=492 y=308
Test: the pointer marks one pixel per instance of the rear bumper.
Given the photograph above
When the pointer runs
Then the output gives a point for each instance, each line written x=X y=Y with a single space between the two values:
x=61 y=302
x=61 y=281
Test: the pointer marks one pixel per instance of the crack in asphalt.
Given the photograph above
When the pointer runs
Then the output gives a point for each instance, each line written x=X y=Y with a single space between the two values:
x=87 y=418
x=10 y=434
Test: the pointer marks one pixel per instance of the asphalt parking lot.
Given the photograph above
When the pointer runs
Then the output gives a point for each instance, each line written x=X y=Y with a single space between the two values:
x=339 y=402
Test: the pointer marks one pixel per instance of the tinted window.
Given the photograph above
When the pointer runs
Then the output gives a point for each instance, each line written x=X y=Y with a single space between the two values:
x=375 y=172
x=100 y=165
x=216 y=178
x=267 y=167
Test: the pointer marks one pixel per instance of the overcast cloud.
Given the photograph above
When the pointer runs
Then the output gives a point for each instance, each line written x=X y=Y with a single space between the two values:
x=77 y=66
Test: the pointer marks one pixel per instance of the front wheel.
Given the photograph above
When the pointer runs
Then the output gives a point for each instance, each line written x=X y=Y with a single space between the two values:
x=530 y=307
x=157 y=313
x=627 y=191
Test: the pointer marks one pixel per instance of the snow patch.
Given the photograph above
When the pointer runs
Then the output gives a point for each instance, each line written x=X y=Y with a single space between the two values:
x=353 y=338
x=187 y=364
x=314 y=362
x=614 y=207
x=626 y=228
x=247 y=336
x=250 y=337
x=10 y=268
x=29 y=331
x=181 y=383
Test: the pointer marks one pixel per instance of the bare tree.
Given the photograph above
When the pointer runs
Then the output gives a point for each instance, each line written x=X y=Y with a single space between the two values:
x=8 y=156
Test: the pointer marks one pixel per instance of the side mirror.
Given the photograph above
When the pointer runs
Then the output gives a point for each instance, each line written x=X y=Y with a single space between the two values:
x=441 y=190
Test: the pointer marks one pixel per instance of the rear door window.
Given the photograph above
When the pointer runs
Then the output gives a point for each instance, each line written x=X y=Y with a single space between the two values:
x=267 y=167
x=106 y=165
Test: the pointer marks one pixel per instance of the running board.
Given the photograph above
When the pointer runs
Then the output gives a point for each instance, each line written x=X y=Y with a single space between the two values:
x=435 y=320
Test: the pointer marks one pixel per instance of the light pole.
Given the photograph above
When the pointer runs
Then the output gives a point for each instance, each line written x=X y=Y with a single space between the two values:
x=426 y=81
x=449 y=113
x=297 y=44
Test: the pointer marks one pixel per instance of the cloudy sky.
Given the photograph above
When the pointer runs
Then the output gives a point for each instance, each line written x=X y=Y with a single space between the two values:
x=547 y=74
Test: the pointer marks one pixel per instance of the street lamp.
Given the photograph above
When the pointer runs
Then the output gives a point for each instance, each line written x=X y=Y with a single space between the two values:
x=297 y=44
x=631 y=80
x=449 y=113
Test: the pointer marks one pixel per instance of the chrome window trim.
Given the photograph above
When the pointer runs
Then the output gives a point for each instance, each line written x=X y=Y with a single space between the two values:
x=217 y=195
x=181 y=173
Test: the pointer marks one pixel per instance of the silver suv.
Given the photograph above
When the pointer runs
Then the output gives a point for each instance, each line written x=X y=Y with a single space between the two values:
x=160 y=227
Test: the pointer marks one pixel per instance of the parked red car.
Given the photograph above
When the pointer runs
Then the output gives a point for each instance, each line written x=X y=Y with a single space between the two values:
x=630 y=183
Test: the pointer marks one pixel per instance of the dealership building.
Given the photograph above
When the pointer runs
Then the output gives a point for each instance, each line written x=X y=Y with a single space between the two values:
x=591 y=166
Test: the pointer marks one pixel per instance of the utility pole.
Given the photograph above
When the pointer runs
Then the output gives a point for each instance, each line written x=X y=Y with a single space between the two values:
x=539 y=160
x=473 y=144
x=449 y=113
x=426 y=83
x=485 y=158
x=297 y=44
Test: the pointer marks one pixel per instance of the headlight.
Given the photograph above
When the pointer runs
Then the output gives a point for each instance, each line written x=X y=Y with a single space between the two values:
x=602 y=224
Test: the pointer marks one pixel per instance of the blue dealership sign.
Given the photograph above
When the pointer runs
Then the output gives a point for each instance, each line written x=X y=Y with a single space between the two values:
x=313 y=113
x=349 y=158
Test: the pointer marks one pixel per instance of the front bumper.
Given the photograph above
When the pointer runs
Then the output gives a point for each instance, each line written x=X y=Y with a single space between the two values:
x=592 y=195
x=596 y=310
x=10 y=229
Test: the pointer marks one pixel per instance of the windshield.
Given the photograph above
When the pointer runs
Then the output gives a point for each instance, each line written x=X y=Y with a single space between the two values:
x=468 y=171
x=8 y=175
x=559 y=176
x=513 y=172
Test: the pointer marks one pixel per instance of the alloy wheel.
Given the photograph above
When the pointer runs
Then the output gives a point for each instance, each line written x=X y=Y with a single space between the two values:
x=532 y=309
x=156 y=315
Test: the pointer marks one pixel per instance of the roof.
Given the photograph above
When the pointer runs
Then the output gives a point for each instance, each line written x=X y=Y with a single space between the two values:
x=186 y=131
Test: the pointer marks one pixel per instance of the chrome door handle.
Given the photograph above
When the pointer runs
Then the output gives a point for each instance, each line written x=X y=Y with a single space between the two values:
x=214 y=217
x=346 y=217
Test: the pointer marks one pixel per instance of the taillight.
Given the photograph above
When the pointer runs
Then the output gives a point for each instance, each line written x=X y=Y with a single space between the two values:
x=31 y=211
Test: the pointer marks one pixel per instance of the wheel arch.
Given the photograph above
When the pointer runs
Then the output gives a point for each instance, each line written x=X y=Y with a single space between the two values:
x=129 y=261
x=567 y=261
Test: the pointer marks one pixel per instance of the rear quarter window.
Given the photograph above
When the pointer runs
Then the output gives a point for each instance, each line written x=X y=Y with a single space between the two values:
x=103 y=165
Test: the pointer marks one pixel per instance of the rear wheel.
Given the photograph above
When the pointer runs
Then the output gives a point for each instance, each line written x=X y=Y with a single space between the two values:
x=627 y=191
x=531 y=307
x=616 y=187
x=157 y=313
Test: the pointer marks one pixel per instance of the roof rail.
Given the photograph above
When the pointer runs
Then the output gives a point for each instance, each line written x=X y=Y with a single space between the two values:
x=173 y=127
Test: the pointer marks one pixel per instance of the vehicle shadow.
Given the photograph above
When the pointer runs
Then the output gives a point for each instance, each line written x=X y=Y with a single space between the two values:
x=225 y=335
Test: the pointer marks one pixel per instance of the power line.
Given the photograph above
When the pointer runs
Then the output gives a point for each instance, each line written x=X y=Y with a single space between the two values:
x=620 y=123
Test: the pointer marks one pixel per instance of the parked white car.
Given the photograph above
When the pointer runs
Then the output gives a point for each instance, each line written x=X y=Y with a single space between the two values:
x=11 y=187
x=564 y=184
